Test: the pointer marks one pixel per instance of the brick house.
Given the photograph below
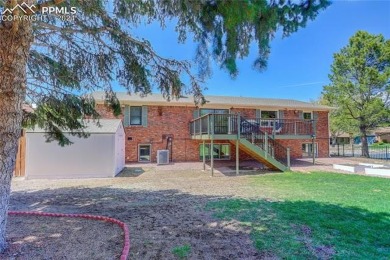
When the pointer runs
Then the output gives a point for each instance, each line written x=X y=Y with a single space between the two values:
x=382 y=134
x=260 y=128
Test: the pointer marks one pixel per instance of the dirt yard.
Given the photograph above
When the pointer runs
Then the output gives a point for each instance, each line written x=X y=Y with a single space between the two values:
x=163 y=209
x=162 y=205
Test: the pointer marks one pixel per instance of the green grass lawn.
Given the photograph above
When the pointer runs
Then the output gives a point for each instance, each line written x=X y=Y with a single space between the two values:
x=381 y=144
x=315 y=216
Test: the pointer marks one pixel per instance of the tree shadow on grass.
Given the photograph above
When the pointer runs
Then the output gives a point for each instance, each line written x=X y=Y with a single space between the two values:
x=162 y=220
x=309 y=229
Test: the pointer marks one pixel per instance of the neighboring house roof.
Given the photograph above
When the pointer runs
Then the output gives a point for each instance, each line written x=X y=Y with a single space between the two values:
x=382 y=130
x=226 y=101
x=343 y=135
x=106 y=126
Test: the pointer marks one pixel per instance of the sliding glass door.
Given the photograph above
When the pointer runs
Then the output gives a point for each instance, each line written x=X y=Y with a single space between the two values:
x=221 y=119
x=220 y=151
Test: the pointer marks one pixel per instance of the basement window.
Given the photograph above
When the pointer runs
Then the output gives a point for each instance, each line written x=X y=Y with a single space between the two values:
x=144 y=153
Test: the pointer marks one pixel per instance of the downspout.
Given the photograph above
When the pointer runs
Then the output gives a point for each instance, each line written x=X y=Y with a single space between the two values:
x=170 y=141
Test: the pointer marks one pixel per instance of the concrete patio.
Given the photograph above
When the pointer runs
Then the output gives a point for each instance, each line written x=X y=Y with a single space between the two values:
x=227 y=168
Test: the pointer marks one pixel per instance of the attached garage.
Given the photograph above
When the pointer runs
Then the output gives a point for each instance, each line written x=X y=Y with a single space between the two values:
x=100 y=155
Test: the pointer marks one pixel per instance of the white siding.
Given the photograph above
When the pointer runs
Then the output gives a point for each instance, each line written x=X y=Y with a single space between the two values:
x=86 y=157
x=119 y=149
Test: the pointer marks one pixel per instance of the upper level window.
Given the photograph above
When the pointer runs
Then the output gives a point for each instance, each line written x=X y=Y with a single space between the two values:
x=269 y=114
x=307 y=115
x=268 y=118
x=135 y=115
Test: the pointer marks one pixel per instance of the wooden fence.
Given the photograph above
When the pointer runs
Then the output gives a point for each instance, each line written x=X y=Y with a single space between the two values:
x=21 y=157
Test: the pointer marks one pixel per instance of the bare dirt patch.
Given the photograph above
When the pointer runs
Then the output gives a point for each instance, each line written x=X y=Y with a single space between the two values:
x=34 y=237
x=163 y=209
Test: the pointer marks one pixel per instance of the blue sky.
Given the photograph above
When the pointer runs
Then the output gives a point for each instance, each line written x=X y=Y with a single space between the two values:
x=299 y=65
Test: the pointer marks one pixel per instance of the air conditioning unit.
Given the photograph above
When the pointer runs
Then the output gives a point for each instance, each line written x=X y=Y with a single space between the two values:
x=162 y=156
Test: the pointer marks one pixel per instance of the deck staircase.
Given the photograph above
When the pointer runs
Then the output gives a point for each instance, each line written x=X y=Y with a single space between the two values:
x=257 y=143
x=262 y=146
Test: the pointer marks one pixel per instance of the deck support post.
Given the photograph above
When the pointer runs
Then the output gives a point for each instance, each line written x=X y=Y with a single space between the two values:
x=212 y=145
x=238 y=125
x=238 y=144
x=295 y=128
x=288 y=158
x=204 y=155
x=212 y=157
x=313 y=150
x=266 y=144
x=238 y=156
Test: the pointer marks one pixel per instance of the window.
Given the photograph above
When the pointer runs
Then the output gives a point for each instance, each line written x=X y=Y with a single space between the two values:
x=135 y=115
x=269 y=114
x=307 y=115
x=220 y=151
x=144 y=153
x=268 y=118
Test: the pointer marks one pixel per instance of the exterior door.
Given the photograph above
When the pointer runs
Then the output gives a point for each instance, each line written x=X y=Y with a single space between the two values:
x=221 y=119
x=220 y=151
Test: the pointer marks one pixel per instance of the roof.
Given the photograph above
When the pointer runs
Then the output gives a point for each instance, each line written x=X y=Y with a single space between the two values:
x=382 y=130
x=106 y=126
x=227 y=101
x=343 y=135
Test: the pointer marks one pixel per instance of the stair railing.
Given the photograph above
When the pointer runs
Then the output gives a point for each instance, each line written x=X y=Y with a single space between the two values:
x=251 y=131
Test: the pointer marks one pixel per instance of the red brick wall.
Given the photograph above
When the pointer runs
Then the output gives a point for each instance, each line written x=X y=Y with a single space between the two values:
x=290 y=114
x=322 y=137
x=322 y=134
x=248 y=113
x=174 y=121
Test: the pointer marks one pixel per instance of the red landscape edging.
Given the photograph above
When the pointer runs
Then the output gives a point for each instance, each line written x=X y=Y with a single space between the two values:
x=126 y=246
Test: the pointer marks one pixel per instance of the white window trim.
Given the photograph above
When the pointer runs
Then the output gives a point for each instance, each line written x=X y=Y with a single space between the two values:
x=268 y=122
x=150 y=152
x=306 y=112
